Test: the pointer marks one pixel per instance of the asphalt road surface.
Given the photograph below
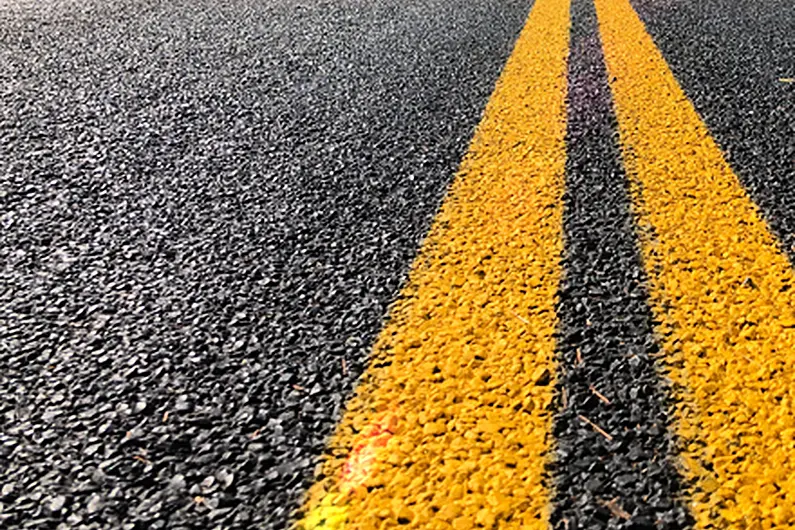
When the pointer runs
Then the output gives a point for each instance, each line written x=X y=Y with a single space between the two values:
x=217 y=217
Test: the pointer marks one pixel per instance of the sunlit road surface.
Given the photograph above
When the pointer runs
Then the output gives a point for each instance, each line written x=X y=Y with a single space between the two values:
x=428 y=264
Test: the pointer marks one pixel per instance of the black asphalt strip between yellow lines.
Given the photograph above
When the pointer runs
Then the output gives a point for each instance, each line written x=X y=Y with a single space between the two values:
x=613 y=466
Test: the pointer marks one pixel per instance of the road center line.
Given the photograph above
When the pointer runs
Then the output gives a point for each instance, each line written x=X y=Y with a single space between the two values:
x=450 y=425
x=720 y=287
x=604 y=473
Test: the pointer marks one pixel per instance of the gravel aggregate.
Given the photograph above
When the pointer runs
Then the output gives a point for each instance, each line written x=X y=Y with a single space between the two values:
x=623 y=476
x=451 y=425
x=736 y=63
x=206 y=208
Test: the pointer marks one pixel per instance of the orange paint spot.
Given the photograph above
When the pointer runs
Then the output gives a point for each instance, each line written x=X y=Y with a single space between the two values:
x=331 y=513
x=359 y=465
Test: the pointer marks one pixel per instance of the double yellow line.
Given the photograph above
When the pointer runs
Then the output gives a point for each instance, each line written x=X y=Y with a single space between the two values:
x=450 y=427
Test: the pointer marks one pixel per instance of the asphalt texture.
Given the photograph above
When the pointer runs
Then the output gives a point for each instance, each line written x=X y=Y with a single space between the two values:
x=206 y=208
x=623 y=476
x=736 y=63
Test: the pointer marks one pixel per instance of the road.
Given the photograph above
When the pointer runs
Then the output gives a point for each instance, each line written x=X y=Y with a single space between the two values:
x=551 y=240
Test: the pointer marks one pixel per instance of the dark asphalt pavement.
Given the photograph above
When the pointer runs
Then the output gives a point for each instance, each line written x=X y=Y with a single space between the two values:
x=206 y=208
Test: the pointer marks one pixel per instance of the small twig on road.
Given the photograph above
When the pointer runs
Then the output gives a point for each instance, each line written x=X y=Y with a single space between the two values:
x=520 y=317
x=615 y=509
x=600 y=395
x=596 y=427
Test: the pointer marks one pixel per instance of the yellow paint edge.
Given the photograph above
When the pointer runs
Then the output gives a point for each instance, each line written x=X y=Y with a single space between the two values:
x=720 y=288
x=450 y=425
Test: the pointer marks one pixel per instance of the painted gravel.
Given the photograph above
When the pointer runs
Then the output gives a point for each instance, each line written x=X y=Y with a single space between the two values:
x=613 y=465
x=206 y=208
x=720 y=286
x=450 y=426
x=736 y=63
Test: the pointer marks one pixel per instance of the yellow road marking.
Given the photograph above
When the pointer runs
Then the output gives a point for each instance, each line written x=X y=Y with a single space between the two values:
x=720 y=288
x=450 y=425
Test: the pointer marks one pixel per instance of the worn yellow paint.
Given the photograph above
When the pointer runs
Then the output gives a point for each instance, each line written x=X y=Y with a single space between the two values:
x=721 y=289
x=464 y=368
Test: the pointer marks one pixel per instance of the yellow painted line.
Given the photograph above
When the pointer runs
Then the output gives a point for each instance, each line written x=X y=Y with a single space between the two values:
x=451 y=425
x=721 y=289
